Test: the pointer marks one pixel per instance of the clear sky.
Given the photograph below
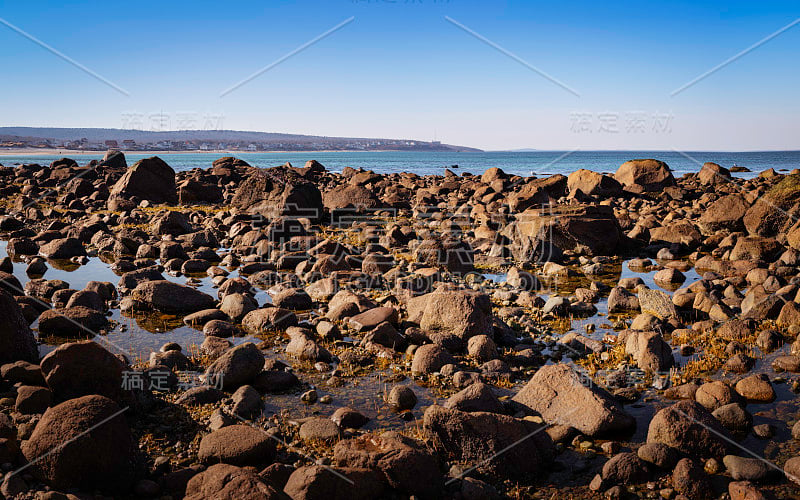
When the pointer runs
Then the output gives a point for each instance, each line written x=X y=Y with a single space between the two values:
x=401 y=69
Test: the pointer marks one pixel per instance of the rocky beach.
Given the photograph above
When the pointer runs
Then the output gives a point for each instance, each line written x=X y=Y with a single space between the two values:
x=294 y=332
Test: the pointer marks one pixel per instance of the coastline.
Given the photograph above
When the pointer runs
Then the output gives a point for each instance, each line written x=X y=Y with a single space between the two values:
x=227 y=152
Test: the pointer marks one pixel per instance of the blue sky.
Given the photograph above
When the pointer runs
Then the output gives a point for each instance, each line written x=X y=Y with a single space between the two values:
x=402 y=70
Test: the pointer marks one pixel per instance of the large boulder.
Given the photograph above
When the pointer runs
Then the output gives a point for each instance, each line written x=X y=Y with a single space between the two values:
x=462 y=313
x=82 y=368
x=498 y=444
x=712 y=173
x=16 y=338
x=279 y=191
x=148 y=179
x=538 y=192
x=167 y=296
x=62 y=248
x=726 y=213
x=648 y=175
x=690 y=428
x=593 y=184
x=407 y=466
x=84 y=443
x=452 y=254
x=590 y=229
x=562 y=396
x=350 y=196
x=776 y=210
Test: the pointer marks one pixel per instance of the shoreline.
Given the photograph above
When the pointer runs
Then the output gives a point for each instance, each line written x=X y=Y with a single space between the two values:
x=77 y=152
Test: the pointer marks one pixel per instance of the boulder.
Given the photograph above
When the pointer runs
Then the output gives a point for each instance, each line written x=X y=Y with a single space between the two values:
x=588 y=229
x=16 y=338
x=62 y=248
x=690 y=428
x=238 y=444
x=496 y=443
x=459 y=312
x=406 y=465
x=170 y=297
x=593 y=184
x=339 y=483
x=726 y=213
x=148 y=179
x=476 y=397
x=430 y=358
x=83 y=368
x=649 y=175
x=236 y=367
x=278 y=192
x=562 y=396
x=83 y=443
x=228 y=482
x=712 y=173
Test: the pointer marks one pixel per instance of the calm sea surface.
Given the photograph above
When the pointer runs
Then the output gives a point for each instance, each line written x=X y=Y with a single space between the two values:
x=425 y=163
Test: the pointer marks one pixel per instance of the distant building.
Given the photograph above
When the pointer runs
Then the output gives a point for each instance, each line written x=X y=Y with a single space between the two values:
x=128 y=144
x=112 y=144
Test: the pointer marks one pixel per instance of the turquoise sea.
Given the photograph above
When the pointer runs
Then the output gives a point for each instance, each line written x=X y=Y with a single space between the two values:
x=424 y=163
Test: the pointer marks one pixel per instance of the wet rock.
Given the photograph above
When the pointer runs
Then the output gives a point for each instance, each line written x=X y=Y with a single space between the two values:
x=744 y=490
x=275 y=381
x=83 y=443
x=63 y=248
x=562 y=396
x=401 y=397
x=294 y=299
x=167 y=296
x=348 y=418
x=476 y=437
x=238 y=444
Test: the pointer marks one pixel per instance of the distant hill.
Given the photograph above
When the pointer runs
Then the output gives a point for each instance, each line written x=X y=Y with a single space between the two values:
x=100 y=135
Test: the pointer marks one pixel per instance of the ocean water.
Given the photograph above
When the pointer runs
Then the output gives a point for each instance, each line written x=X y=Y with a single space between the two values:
x=426 y=163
